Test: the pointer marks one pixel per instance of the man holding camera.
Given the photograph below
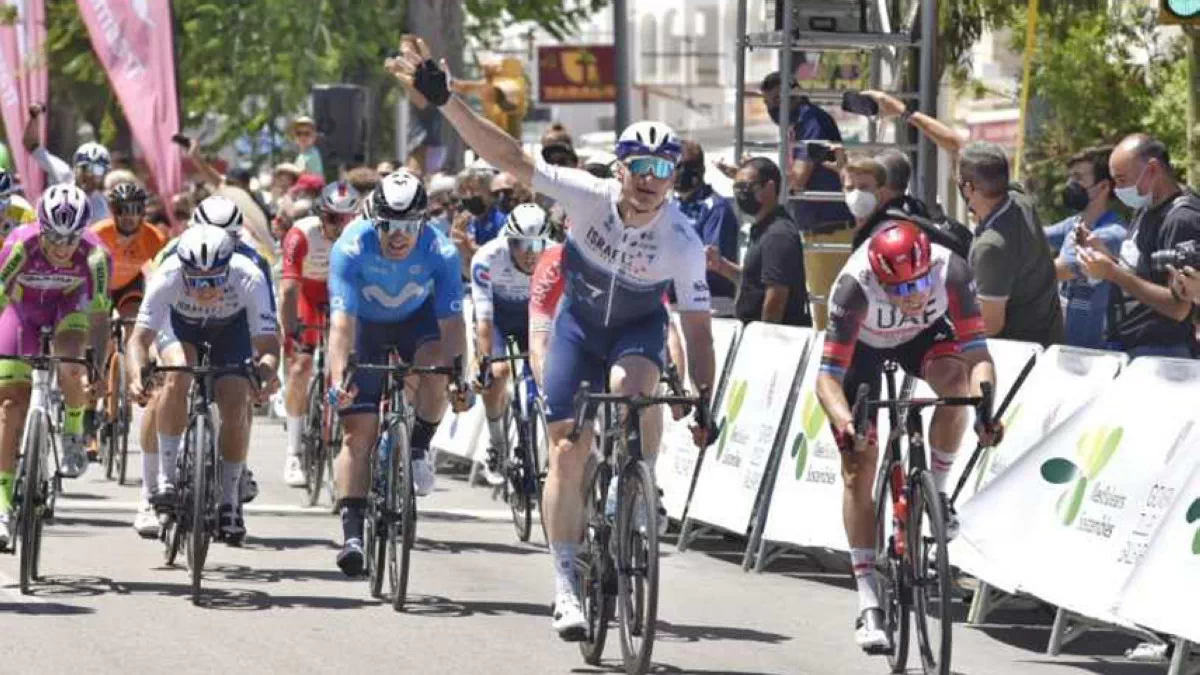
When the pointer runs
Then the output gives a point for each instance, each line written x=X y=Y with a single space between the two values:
x=1148 y=314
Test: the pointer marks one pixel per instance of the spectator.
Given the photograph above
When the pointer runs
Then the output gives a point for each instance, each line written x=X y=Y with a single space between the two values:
x=771 y=279
x=283 y=178
x=309 y=186
x=505 y=197
x=713 y=218
x=363 y=178
x=1088 y=193
x=1149 y=314
x=599 y=164
x=477 y=214
x=441 y=202
x=290 y=210
x=1013 y=266
x=863 y=181
x=89 y=165
x=308 y=158
x=557 y=147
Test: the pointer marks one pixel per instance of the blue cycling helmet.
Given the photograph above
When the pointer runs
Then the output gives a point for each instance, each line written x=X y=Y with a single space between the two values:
x=649 y=138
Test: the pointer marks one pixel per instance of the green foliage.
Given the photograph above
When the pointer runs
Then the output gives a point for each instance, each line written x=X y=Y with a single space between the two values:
x=486 y=18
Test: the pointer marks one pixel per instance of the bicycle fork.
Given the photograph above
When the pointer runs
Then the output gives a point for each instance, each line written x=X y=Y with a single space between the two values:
x=899 y=490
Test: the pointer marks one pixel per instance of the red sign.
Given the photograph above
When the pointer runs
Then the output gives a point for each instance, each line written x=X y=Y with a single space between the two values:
x=1000 y=132
x=577 y=74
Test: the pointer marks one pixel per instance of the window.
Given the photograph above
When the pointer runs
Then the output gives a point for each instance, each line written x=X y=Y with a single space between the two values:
x=648 y=40
x=672 y=44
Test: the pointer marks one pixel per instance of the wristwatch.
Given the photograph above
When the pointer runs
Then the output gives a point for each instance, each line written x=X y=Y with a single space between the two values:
x=910 y=107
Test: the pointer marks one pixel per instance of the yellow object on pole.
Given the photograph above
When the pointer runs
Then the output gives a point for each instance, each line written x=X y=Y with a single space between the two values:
x=1030 y=45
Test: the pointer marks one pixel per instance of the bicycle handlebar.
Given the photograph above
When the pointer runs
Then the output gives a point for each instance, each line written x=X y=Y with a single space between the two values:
x=246 y=368
x=864 y=406
x=586 y=403
x=401 y=370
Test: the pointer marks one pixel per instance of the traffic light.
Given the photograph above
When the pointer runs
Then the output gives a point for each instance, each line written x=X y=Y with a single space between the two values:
x=1179 y=12
x=505 y=101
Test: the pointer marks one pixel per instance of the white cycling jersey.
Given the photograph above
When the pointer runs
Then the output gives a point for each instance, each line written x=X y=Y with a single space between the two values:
x=499 y=289
x=245 y=291
x=617 y=274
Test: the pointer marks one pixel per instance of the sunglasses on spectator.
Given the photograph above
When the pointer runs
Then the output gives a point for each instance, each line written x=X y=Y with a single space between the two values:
x=503 y=194
x=918 y=285
x=645 y=166
x=742 y=186
x=558 y=157
x=408 y=227
x=304 y=133
x=199 y=283
x=56 y=239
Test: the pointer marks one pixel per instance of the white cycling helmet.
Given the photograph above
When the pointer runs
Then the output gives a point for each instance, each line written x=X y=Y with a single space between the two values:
x=399 y=196
x=649 y=138
x=92 y=154
x=219 y=212
x=339 y=197
x=64 y=211
x=527 y=221
x=205 y=249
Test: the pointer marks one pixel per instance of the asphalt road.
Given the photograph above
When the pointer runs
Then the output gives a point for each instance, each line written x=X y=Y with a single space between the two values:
x=279 y=605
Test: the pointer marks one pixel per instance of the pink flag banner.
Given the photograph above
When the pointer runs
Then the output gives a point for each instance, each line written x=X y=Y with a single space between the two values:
x=134 y=39
x=24 y=81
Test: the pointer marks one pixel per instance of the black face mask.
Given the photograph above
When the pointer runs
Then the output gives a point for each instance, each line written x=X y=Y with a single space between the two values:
x=475 y=205
x=748 y=203
x=773 y=112
x=689 y=176
x=1075 y=196
x=505 y=200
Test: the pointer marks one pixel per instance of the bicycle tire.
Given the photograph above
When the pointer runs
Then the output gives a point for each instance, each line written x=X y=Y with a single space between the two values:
x=594 y=566
x=31 y=502
x=312 y=438
x=204 y=479
x=125 y=422
x=108 y=447
x=516 y=478
x=931 y=596
x=637 y=566
x=374 y=535
x=541 y=432
x=402 y=510
x=895 y=598
x=175 y=532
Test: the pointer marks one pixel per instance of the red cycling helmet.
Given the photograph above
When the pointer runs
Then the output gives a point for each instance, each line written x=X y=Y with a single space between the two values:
x=899 y=252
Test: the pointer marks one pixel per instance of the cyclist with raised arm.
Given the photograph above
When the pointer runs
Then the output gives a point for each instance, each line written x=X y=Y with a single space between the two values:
x=627 y=243
x=304 y=299
x=53 y=273
x=394 y=284
x=205 y=292
x=89 y=165
x=904 y=299
x=14 y=210
x=500 y=287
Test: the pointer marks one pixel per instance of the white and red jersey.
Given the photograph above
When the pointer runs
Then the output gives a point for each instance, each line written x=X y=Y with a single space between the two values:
x=306 y=257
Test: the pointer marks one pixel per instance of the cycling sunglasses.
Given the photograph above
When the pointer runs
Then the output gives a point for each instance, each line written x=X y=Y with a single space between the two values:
x=197 y=283
x=918 y=285
x=409 y=226
x=528 y=245
x=134 y=209
x=657 y=166
x=56 y=239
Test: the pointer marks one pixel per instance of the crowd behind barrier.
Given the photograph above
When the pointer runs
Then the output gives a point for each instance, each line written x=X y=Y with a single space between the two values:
x=1091 y=503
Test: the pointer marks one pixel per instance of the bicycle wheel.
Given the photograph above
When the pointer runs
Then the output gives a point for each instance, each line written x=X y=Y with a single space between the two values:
x=895 y=597
x=637 y=566
x=32 y=500
x=312 y=440
x=930 y=561
x=517 y=472
x=595 y=567
x=375 y=530
x=175 y=531
x=541 y=460
x=108 y=433
x=124 y=424
x=204 y=480
x=402 y=515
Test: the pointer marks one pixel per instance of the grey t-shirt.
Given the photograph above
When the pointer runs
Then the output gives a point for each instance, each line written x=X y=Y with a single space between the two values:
x=1013 y=262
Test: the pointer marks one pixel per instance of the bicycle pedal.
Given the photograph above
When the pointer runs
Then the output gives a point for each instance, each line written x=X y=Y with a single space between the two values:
x=882 y=650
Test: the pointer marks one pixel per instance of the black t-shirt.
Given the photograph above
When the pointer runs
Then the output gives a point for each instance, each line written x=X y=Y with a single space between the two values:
x=775 y=257
x=1157 y=228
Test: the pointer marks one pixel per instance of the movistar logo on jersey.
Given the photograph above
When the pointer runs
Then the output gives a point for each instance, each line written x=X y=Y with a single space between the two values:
x=411 y=291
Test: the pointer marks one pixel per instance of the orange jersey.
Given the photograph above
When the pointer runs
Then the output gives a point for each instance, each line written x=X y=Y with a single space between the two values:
x=129 y=253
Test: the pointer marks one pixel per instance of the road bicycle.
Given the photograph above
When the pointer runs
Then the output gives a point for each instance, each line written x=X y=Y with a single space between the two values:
x=912 y=558
x=37 y=487
x=391 y=520
x=191 y=521
x=118 y=409
x=321 y=435
x=618 y=561
x=525 y=475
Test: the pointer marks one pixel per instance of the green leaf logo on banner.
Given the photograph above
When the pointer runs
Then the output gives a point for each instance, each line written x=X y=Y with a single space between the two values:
x=737 y=395
x=1058 y=471
x=812 y=416
x=800 y=453
x=1094 y=449
x=1193 y=515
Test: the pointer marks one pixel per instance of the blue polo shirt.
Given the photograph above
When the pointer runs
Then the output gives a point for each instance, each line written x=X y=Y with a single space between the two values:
x=1085 y=302
x=716 y=222
x=486 y=227
x=812 y=123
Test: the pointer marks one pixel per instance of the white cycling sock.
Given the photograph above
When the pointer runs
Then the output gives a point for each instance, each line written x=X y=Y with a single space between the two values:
x=168 y=451
x=231 y=477
x=149 y=474
x=863 y=560
x=497 y=432
x=941 y=464
x=295 y=424
x=564 y=568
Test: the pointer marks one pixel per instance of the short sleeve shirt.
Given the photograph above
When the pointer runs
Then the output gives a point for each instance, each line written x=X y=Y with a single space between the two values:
x=775 y=257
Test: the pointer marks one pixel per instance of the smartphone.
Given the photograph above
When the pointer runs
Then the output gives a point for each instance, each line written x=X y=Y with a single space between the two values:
x=818 y=151
x=859 y=104
x=182 y=141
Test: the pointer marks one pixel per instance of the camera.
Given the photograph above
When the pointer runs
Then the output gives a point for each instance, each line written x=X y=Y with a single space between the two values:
x=1185 y=254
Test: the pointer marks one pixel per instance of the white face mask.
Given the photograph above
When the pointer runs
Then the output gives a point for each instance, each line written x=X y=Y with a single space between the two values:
x=1129 y=194
x=861 y=203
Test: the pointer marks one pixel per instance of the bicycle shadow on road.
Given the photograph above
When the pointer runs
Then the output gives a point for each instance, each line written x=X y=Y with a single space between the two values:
x=617 y=666
x=43 y=609
x=289 y=543
x=671 y=632
x=457 y=547
x=436 y=606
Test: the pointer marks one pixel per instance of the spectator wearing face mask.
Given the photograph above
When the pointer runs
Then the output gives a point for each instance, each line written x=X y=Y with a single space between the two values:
x=771 y=284
x=712 y=217
x=557 y=147
x=478 y=215
x=441 y=202
x=1088 y=194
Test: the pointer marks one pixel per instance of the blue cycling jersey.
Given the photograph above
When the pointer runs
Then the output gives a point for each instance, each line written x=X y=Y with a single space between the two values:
x=366 y=284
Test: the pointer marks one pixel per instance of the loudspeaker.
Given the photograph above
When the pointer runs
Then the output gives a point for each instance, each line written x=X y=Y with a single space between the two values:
x=340 y=111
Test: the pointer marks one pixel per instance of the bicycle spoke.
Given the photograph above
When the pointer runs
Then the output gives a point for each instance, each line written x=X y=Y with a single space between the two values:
x=637 y=566
x=929 y=558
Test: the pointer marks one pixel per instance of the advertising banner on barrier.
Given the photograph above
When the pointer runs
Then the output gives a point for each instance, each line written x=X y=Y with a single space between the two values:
x=1009 y=357
x=755 y=399
x=458 y=434
x=1157 y=596
x=676 y=462
x=1068 y=520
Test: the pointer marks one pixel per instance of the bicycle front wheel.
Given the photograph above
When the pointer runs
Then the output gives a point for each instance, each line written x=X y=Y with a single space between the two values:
x=518 y=473
x=402 y=515
x=204 y=483
x=540 y=430
x=930 y=560
x=32 y=499
x=637 y=565
x=312 y=438
x=595 y=566
x=895 y=595
x=111 y=407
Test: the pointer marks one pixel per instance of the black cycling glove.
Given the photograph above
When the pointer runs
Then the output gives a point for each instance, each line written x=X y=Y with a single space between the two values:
x=432 y=82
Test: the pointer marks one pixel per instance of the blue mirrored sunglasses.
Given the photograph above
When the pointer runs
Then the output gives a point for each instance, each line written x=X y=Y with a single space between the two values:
x=528 y=245
x=918 y=285
x=643 y=166
x=409 y=226
x=196 y=283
